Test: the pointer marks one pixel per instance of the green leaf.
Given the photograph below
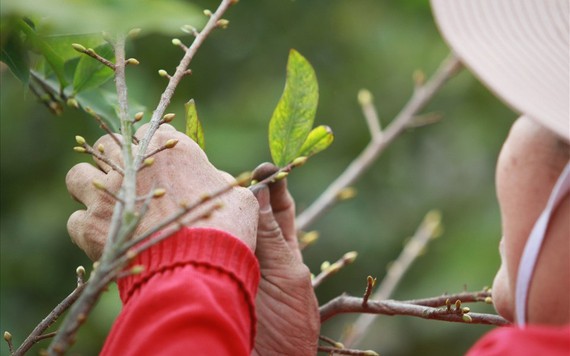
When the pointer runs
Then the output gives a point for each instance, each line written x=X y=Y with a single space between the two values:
x=295 y=112
x=15 y=54
x=112 y=16
x=90 y=73
x=319 y=139
x=51 y=57
x=194 y=128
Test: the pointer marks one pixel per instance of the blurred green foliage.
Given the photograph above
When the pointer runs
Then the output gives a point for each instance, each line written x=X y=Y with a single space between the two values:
x=238 y=76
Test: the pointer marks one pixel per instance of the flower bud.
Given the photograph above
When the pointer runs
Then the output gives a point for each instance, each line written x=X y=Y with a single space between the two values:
x=176 y=42
x=148 y=162
x=365 y=97
x=171 y=143
x=223 y=23
x=72 y=102
x=350 y=257
x=467 y=318
x=159 y=192
x=79 y=149
x=134 y=32
x=133 y=61
x=101 y=148
x=489 y=300
x=139 y=116
x=465 y=310
x=207 y=12
x=281 y=175
x=325 y=265
x=78 y=47
x=98 y=184
x=168 y=117
x=80 y=140
x=162 y=73
x=80 y=271
x=299 y=161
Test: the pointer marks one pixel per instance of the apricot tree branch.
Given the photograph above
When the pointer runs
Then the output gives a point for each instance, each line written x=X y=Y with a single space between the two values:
x=181 y=71
x=347 y=304
x=428 y=229
x=421 y=96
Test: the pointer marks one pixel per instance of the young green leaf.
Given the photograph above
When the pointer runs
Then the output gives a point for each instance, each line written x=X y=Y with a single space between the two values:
x=319 y=139
x=194 y=128
x=295 y=112
x=15 y=55
x=90 y=73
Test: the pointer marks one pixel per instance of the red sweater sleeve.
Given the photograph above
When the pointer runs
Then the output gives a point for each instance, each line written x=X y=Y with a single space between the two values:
x=195 y=297
x=532 y=340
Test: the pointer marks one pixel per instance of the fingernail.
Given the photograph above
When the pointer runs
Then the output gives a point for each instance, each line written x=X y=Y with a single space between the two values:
x=261 y=192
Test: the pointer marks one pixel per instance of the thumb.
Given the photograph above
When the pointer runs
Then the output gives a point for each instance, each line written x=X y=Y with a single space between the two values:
x=272 y=250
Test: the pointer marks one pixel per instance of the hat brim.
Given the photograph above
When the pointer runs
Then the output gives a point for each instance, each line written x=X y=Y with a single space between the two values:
x=517 y=48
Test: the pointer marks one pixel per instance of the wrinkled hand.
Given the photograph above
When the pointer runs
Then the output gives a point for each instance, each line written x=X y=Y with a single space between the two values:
x=288 y=319
x=186 y=174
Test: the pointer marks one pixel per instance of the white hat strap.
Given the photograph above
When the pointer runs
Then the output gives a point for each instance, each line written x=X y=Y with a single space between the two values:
x=534 y=243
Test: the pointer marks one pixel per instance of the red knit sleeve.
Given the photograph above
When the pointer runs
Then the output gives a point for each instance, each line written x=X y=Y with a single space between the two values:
x=195 y=297
x=532 y=340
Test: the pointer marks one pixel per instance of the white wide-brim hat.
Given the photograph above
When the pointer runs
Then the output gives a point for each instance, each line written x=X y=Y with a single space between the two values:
x=519 y=49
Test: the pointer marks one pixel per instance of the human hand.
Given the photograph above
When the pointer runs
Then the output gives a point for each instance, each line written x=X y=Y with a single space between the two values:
x=186 y=174
x=288 y=321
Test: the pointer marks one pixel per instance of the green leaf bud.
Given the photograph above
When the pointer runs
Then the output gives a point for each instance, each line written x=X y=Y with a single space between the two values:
x=365 y=97
x=159 y=192
x=281 y=175
x=346 y=194
x=80 y=140
x=162 y=73
x=80 y=271
x=139 y=116
x=78 y=47
x=350 y=257
x=467 y=318
x=370 y=353
x=223 y=23
x=207 y=12
x=7 y=336
x=310 y=238
x=299 y=161
x=325 y=265
x=457 y=304
x=465 y=310
x=101 y=148
x=489 y=300
x=133 y=62
x=138 y=269
x=168 y=117
x=72 y=102
x=98 y=184
x=79 y=149
x=148 y=162
x=171 y=143
x=176 y=42
x=134 y=32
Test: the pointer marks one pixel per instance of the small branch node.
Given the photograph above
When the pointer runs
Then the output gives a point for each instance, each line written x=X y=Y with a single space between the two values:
x=8 y=339
x=164 y=74
x=370 y=283
x=91 y=53
x=330 y=269
x=80 y=272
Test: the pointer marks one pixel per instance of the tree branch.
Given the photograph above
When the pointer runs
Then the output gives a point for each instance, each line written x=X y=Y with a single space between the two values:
x=346 y=304
x=421 y=96
x=428 y=229
x=181 y=71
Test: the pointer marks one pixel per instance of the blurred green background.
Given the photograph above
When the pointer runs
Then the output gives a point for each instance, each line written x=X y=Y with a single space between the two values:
x=238 y=76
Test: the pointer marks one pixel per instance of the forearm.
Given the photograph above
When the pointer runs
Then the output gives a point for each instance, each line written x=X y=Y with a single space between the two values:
x=196 y=295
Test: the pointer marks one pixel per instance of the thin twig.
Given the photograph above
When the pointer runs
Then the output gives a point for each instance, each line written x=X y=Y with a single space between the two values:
x=359 y=165
x=345 y=260
x=370 y=282
x=104 y=126
x=427 y=230
x=178 y=75
x=104 y=159
x=346 y=304
x=331 y=350
x=91 y=53
x=49 y=320
x=330 y=341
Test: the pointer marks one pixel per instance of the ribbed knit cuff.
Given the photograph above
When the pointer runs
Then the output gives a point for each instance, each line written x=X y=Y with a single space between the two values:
x=200 y=247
